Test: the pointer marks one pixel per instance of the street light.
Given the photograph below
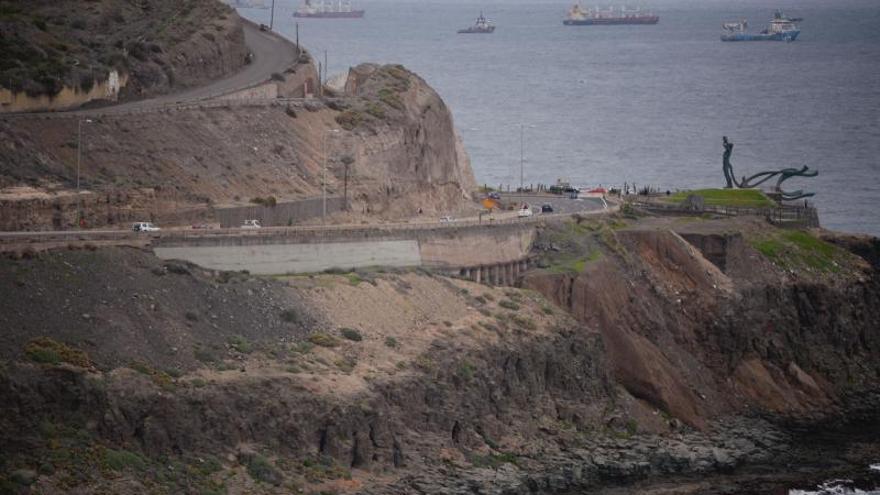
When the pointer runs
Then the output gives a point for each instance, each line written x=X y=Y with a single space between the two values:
x=272 y=16
x=521 y=152
x=79 y=132
x=324 y=176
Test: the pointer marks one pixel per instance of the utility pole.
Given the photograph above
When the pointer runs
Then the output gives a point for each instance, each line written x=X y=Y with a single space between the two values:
x=325 y=67
x=324 y=179
x=272 y=16
x=521 y=149
x=298 y=51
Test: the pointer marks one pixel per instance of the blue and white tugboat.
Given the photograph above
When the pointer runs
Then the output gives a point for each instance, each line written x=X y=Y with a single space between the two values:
x=781 y=29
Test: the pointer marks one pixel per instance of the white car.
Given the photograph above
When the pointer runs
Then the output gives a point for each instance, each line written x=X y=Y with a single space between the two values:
x=446 y=219
x=525 y=212
x=144 y=227
x=251 y=224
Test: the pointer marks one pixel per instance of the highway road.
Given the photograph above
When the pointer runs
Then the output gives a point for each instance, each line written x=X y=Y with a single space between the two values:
x=271 y=53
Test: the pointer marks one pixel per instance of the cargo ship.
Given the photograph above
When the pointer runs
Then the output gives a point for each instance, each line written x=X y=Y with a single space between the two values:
x=481 y=26
x=578 y=16
x=328 y=10
x=781 y=29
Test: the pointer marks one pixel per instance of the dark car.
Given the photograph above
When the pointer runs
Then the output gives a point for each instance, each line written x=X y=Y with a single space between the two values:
x=494 y=195
x=546 y=208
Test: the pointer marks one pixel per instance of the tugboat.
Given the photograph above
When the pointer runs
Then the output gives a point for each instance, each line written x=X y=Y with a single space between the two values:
x=328 y=10
x=482 y=26
x=596 y=17
x=781 y=29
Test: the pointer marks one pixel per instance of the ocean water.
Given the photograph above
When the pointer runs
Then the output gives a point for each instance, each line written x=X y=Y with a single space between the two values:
x=644 y=104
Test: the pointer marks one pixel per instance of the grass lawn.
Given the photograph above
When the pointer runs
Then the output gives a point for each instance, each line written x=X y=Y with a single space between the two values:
x=796 y=249
x=748 y=198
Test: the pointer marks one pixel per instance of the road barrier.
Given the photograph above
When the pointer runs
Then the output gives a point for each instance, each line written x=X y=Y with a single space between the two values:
x=782 y=215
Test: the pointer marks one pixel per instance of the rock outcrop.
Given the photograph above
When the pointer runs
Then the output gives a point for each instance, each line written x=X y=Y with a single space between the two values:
x=62 y=54
x=395 y=151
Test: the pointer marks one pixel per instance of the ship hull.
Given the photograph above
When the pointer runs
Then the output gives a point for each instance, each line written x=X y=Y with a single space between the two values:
x=783 y=36
x=354 y=14
x=477 y=31
x=613 y=21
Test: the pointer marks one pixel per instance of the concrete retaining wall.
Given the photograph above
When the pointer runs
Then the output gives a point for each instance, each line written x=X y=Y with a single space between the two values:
x=448 y=249
x=276 y=259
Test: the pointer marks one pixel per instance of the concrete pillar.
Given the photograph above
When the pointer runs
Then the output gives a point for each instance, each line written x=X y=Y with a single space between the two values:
x=479 y=272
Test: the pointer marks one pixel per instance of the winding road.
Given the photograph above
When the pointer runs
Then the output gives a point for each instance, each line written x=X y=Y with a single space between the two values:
x=271 y=53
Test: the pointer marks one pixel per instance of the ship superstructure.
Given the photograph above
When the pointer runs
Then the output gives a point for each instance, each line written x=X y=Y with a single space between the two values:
x=341 y=9
x=781 y=28
x=578 y=16
x=481 y=26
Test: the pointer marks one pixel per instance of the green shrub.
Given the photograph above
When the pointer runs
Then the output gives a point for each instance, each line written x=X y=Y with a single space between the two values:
x=346 y=365
x=508 y=304
x=524 y=322
x=351 y=334
x=120 y=460
x=290 y=316
x=204 y=355
x=241 y=344
x=349 y=119
x=391 y=342
x=376 y=110
x=50 y=351
x=466 y=371
x=323 y=340
x=261 y=469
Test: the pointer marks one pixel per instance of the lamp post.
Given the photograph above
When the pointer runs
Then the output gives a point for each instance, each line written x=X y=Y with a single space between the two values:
x=79 y=133
x=324 y=177
x=272 y=16
x=522 y=152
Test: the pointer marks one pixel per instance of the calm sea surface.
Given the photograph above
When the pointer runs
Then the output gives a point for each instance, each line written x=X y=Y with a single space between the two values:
x=644 y=104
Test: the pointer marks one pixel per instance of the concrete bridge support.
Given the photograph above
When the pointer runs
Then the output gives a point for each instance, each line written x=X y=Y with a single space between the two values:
x=506 y=273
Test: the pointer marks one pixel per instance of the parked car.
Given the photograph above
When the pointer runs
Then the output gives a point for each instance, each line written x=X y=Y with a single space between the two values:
x=525 y=212
x=201 y=226
x=251 y=224
x=494 y=195
x=447 y=219
x=144 y=227
x=546 y=208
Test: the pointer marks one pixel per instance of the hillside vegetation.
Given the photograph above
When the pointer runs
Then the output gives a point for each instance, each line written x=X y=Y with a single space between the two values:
x=46 y=45
x=745 y=198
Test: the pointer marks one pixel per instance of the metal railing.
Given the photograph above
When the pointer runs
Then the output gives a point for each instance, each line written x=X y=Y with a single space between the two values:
x=806 y=216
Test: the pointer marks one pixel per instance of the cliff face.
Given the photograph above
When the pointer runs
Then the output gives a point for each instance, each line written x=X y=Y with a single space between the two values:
x=789 y=333
x=149 y=374
x=55 y=53
x=329 y=383
x=403 y=156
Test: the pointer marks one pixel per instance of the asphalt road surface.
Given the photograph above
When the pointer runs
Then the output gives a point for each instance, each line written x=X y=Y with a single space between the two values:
x=271 y=53
x=560 y=204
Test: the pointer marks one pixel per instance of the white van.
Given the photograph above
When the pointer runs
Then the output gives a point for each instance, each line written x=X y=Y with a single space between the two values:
x=144 y=227
x=251 y=224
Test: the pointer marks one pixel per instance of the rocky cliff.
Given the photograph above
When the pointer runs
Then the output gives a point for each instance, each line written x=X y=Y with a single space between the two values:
x=52 y=54
x=675 y=348
x=402 y=155
x=702 y=318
